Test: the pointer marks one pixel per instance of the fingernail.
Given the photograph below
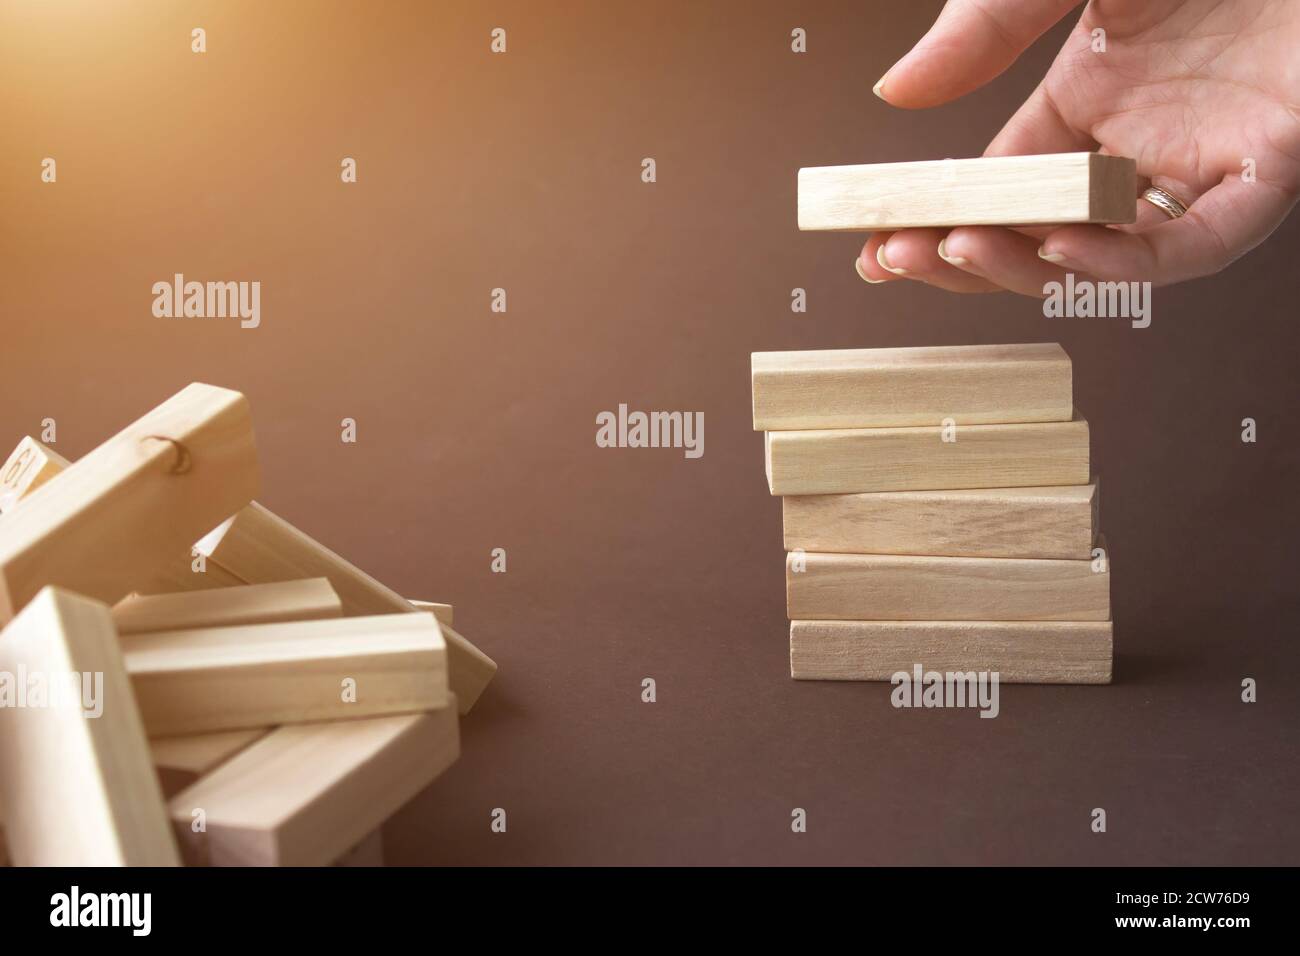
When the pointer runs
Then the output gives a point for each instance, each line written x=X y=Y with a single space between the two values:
x=884 y=263
x=879 y=83
x=943 y=254
x=857 y=264
x=1050 y=256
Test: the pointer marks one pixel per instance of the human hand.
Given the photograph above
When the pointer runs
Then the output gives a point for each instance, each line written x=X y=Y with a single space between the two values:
x=1197 y=91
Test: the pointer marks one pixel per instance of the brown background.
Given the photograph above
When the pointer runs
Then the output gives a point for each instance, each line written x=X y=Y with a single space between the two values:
x=477 y=429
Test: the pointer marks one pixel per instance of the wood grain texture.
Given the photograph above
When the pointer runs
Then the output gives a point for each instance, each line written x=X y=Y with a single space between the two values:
x=873 y=388
x=990 y=190
x=179 y=761
x=306 y=600
x=306 y=794
x=854 y=460
x=445 y=613
x=182 y=760
x=29 y=466
x=259 y=547
x=1048 y=522
x=892 y=587
x=228 y=678
x=176 y=574
x=136 y=502
x=181 y=574
x=474 y=672
x=78 y=790
x=1038 y=652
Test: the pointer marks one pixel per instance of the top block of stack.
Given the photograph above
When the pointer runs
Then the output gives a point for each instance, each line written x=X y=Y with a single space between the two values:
x=888 y=388
x=991 y=190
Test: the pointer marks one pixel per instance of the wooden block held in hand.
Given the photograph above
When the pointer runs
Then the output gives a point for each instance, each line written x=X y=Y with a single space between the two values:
x=1049 y=522
x=228 y=678
x=873 y=388
x=76 y=781
x=306 y=794
x=989 y=190
x=853 y=460
x=893 y=587
x=29 y=466
x=134 y=504
x=182 y=760
x=307 y=600
x=259 y=547
x=1022 y=652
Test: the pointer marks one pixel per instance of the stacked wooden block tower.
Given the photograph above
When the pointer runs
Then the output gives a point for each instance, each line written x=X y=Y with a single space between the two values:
x=938 y=510
x=251 y=698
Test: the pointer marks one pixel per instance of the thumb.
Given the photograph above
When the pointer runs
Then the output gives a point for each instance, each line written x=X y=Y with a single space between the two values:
x=972 y=42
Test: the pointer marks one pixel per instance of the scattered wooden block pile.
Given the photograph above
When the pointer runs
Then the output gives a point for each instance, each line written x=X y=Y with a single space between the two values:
x=249 y=699
x=938 y=509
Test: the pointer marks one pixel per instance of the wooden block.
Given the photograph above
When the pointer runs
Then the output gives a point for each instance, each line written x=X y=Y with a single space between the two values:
x=368 y=853
x=175 y=575
x=76 y=782
x=894 y=587
x=259 y=547
x=476 y=668
x=1051 y=522
x=470 y=670
x=873 y=388
x=228 y=678
x=305 y=794
x=181 y=574
x=307 y=600
x=990 y=190
x=853 y=460
x=29 y=466
x=1037 y=652
x=135 y=503
x=443 y=612
x=182 y=760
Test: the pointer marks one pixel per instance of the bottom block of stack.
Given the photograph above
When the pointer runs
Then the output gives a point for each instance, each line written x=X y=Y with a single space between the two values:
x=1022 y=652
